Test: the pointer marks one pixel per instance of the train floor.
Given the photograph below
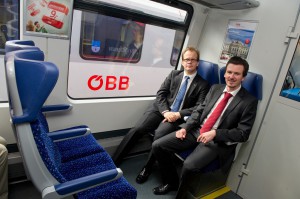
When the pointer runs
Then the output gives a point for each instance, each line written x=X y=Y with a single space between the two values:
x=130 y=168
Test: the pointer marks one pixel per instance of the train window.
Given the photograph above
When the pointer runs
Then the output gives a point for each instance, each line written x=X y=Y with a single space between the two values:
x=124 y=50
x=121 y=40
x=9 y=22
x=291 y=85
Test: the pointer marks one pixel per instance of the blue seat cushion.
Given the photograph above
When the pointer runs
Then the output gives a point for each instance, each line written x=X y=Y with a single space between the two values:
x=71 y=144
x=96 y=163
x=80 y=152
x=48 y=150
x=79 y=147
x=118 y=189
x=293 y=94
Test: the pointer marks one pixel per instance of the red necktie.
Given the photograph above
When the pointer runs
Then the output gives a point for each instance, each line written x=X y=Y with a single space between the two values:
x=209 y=123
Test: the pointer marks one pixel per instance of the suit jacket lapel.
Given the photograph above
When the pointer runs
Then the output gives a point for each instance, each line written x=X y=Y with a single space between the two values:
x=177 y=81
x=192 y=86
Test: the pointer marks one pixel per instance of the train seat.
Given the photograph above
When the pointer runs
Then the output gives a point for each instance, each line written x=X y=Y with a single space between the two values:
x=30 y=83
x=209 y=71
x=82 y=132
x=212 y=176
x=292 y=93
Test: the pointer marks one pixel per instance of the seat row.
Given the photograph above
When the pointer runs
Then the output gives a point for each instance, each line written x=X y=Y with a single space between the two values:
x=67 y=162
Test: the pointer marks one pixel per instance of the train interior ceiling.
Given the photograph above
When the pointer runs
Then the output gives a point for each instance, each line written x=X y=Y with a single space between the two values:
x=92 y=39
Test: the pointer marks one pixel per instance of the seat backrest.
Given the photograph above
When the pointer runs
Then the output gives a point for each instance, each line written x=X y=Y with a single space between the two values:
x=209 y=71
x=11 y=82
x=30 y=83
x=252 y=83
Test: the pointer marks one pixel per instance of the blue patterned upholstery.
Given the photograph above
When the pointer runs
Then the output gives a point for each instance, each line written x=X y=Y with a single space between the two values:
x=69 y=164
x=110 y=191
x=77 y=167
x=48 y=151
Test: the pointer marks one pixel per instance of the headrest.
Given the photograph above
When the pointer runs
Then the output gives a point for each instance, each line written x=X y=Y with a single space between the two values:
x=252 y=83
x=26 y=54
x=19 y=45
x=35 y=81
x=14 y=45
x=209 y=71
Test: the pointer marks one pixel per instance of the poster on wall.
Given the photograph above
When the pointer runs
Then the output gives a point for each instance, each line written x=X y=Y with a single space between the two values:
x=238 y=39
x=48 y=18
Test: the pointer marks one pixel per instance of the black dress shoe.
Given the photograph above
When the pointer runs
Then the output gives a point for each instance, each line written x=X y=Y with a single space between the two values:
x=163 y=189
x=143 y=175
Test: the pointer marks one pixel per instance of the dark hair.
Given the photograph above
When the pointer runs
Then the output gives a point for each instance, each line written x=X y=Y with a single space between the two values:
x=36 y=22
x=192 y=49
x=239 y=61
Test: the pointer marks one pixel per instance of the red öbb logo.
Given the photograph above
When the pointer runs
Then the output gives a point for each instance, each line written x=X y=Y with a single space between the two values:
x=96 y=82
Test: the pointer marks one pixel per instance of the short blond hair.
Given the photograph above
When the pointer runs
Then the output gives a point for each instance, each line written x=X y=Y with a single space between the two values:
x=192 y=49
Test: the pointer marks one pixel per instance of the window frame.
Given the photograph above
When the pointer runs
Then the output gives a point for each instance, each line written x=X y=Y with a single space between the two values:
x=103 y=8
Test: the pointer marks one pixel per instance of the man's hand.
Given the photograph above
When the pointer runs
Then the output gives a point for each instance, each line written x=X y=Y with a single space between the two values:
x=207 y=136
x=180 y=134
x=171 y=116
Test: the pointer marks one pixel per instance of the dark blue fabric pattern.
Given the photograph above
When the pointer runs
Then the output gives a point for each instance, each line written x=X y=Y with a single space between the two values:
x=79 y=157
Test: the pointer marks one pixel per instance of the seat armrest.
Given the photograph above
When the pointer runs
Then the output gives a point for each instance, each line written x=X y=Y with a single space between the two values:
x=66 y=134
x=57 y=107
x=74 y=186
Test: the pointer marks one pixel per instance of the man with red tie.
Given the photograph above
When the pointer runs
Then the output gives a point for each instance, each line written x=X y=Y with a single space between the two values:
x=224 y=118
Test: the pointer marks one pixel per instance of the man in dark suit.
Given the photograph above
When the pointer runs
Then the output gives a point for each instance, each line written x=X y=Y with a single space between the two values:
x=161 y=116
x=233 y=124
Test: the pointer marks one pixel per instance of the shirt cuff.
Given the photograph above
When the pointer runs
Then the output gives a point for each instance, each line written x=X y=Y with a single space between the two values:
x=164 y=112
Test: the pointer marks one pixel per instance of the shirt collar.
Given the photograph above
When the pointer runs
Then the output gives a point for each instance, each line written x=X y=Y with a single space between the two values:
x=192 y=76
x=233 y=93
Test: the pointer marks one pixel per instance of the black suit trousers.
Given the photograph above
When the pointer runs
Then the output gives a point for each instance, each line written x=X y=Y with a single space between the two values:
x=151 y=121
x=165 y=147
x=162 y=130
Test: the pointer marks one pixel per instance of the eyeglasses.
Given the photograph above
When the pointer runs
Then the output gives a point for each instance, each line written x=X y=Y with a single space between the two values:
x=190 y=60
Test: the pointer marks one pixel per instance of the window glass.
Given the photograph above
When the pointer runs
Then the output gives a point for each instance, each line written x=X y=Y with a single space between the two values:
x=9 y=22
x=120 y=40
x=291 y=86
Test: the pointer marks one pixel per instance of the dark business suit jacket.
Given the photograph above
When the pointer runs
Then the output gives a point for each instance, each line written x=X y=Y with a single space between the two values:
x=235 y=124
x=169 y=88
